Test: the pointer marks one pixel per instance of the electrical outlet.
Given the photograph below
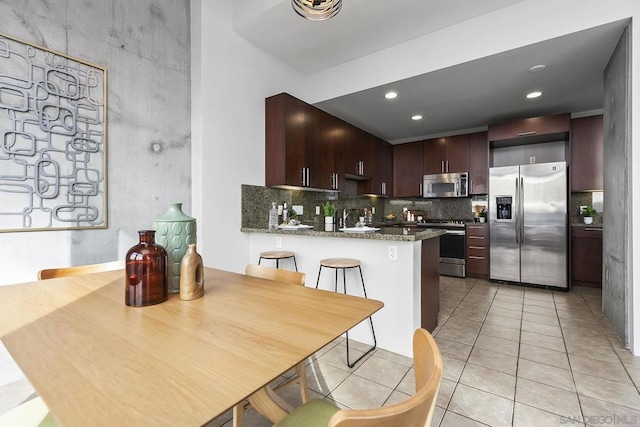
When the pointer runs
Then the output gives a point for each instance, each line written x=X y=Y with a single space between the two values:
x=278 y=242
x=393 y=253
x=299 y=209
x=317 y=210
x=532 y=159
x=582 y=209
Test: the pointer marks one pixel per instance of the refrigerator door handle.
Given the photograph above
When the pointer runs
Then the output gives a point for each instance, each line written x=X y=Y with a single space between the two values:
x=517 y=212
x=521 y=210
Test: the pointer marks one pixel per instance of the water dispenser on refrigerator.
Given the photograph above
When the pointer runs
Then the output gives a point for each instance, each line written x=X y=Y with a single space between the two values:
x=504 y=207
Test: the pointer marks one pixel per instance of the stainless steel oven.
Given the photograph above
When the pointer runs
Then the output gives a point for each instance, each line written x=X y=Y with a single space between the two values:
x=452 y=246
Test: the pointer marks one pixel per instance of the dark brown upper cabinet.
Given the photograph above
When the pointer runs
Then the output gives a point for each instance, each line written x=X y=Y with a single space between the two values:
x=534 y=129
x=587 y=153
x=307 y=147
x=407 y=169
x=478 y=163
x=446 y=155
x=285 y=145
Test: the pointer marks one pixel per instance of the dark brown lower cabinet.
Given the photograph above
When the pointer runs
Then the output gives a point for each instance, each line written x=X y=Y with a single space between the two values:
x=478 y=251
x=586 y=256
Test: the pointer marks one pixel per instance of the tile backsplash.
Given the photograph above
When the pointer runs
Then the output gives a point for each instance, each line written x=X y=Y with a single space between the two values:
x=256 y=201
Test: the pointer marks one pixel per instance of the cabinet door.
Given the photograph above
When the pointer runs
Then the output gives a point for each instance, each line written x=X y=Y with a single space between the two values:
x=533 y=126
x=457 y=153
x=586 y=256
x=434 y=156
x=479 y=163
x=323 y=139
x=587 y=153
x=381 y=182
x=407 y=169
x=285 y=137
x=357 y=153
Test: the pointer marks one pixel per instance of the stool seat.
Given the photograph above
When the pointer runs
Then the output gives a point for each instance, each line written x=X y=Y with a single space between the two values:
x=340 y=262
x=276 y=254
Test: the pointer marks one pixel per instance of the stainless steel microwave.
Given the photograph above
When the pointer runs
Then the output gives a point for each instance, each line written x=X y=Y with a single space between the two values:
x=446 y=185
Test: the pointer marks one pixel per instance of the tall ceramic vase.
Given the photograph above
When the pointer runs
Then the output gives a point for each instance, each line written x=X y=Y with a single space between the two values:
x=175 y=231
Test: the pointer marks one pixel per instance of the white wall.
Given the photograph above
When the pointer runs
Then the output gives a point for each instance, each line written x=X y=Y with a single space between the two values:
x=236 y=76
x=230 y=80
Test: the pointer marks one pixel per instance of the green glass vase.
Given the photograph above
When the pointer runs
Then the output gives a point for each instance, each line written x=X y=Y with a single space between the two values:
x=175 y=231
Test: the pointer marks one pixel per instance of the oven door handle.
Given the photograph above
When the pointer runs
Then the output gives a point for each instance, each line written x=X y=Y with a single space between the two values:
x=456 y=232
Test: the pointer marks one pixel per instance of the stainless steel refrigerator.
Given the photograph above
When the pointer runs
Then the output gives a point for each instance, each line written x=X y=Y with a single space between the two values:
x=528 y=224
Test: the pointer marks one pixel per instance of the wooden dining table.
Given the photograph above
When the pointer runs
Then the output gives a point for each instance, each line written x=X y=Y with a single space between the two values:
x=96 y=361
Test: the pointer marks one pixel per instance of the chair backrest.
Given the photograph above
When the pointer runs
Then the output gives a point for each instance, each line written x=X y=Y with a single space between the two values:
x=413 y=412
x=287 y=276
x=52 y=273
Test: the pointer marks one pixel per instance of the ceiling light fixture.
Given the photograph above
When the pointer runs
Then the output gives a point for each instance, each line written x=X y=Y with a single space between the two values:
x=317 y=10
x=390 y=95
x=535 y=94
x=416 y=117
x=537 y=68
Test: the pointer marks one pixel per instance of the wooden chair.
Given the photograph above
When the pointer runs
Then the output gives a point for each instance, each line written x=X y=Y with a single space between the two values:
x=413 y=412
x=52 y=273
x=287 y=276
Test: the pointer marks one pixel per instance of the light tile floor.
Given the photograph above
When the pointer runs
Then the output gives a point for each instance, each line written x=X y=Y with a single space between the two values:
x=512 y=356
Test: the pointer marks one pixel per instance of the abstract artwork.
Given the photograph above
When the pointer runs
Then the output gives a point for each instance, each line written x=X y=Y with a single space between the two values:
x=53 y=140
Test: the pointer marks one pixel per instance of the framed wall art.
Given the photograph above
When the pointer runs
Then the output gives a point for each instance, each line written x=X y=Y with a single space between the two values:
x=53 y=140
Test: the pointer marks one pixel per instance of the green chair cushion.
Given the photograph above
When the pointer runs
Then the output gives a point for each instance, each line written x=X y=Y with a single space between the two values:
x=314 y=413
x=48 y=421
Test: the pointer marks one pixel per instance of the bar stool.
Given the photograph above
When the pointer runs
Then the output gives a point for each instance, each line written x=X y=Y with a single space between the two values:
x=343 y=264
x=278 y=255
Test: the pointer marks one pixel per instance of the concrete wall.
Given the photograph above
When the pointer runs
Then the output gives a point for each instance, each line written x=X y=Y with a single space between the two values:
x=145 y=46
x=616 y=289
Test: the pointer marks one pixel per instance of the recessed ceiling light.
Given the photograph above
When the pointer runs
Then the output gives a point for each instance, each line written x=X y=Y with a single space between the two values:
x=391 y=95
x=416 y=117
x=537 y=68
x=535 y=94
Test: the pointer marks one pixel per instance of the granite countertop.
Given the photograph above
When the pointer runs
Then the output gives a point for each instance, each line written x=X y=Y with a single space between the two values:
x=385 y=233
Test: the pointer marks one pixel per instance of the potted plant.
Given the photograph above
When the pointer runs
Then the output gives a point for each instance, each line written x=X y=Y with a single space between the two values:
x=482 y=216
x=329 y=212
x=587 y=214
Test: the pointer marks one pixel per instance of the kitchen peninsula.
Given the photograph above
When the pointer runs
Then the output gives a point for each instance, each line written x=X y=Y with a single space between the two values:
x=408 y=285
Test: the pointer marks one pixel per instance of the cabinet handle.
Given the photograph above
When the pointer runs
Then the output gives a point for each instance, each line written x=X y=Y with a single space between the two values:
x=362 y=168
x=421 y=189
x=533 y=132
x=447 y=166
x=441 y=166
x=302 y=179
x=476 y=247
x=337 y=180
x=592 y=229
x=476 y=237
x=475 y=227
x=308 y=179
x=475 y=257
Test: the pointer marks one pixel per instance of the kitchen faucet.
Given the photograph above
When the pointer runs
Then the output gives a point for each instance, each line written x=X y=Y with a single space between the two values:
x=345 y=215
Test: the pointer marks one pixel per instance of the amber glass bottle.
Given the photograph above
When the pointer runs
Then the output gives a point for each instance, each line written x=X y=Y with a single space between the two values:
x=146 y=281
